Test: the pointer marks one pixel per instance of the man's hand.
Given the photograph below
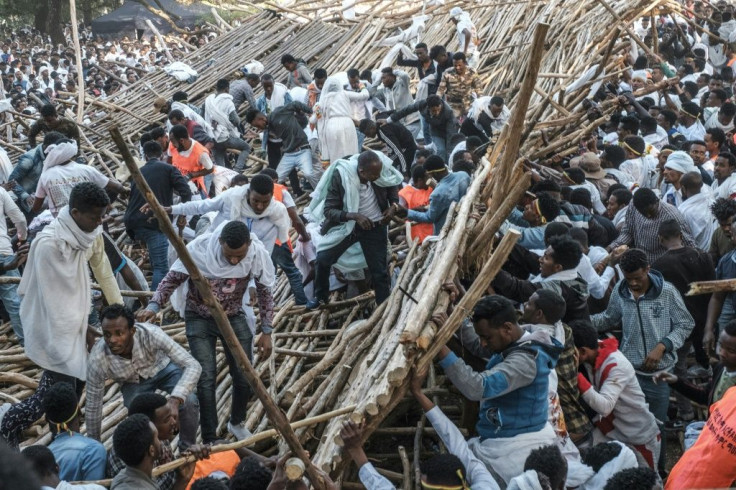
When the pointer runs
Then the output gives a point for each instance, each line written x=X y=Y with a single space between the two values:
x=616 y=255
x=91 y=337
x=666 y=377
x=452 y=290
x=361 y=220
x=402 y=212
x=417 y=381
x=181 y=221
x=305 y=238
x=184 y=473
x=653 y=358
x=8 y=186
x=264 y=346
x=709 y=341
x=439 y=318
x=279 y=481
x=146 y=209
x=145 y=315
x=199 y=451
x=252 y=297
x=352 y=435
x=19 y=258
x=388 y=213
x=30 y=200
x=174 y=403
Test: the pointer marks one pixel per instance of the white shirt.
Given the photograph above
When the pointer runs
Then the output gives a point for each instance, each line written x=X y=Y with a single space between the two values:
x=595 y=196
x=8 y=209
x=56 y=183
x=368 y=203
x=726 y=190
x=696 y=211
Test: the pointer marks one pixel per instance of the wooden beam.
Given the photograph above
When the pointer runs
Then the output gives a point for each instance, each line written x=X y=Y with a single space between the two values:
x=708 y=287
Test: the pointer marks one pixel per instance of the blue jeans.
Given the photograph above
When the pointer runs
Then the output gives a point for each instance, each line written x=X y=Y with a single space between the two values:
x=158 y=252
x=202 y=334
x=9 y=297
x=235 y=144
x=166 y=380
x=300 y=159
x=441 y=149
x=281 y=257
x=361 y=139
x=426 y=131
x=657 y=396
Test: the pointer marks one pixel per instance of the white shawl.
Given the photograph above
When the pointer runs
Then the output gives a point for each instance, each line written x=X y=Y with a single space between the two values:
x=626 y=459
x=240 y=210
x=55 y=296
x=696 y=211
x=206 y=251
x=277 y=96
x=59 y=153
x=217 y=109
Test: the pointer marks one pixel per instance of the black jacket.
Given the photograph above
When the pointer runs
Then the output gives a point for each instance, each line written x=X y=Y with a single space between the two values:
x=334 y=202
x=443 y=126
x=401 y=145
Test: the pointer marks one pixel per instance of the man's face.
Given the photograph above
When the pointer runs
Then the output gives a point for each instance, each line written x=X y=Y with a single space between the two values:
x=715 y=84
x=88 y=221
x=388 y=79
x=722 y=169
x=612 y=207
x=713 y=100
x=290 y=66
x=260 y=122
x=435 y=111
x=493 y=339
x=701 y=81
x=320 y=82
x=234 y=255
x=547 y=264
x=710 y=145
x=637 y=83
x=422 y=54
x=176 y=121
x=459 y=66
x=724 y=119
x=166 y=424
x=157 y=451
x=732 y=229
x=253 y=82
x=622 y=133
x=662 y=121
x=726 y=350
x=531 y=311
x=354 y=83
x=267 y=87
x=496 y=110
x=259 y=202
x=671 y=176
x=441 y=58
x=638 y=280
x=657 y=75
x=370 y=172
x=118 y=336
x=587 y=355
x=697 y=153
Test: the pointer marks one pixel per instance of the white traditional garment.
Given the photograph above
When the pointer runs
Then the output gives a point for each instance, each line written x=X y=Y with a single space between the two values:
x=526 y=481
x=626 y=459
x=189 y=113
x=206 y=252
x=6 y=167
x=55 y=297
x=483 y=105
x=335 y=126
x=217 y=109
x=277 y=97
x=59 y=153
x=635 y=168
x=463 y=23
x=695 y=132
x=696 y=211
x=726 y=190
x=657 y=140
x=565 y=275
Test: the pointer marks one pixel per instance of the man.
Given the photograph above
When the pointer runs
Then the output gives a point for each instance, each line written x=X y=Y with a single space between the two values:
x=142 y=359
x=164 y=180
x=532 y=222
x=163 y=106
x=196 y=132
x=314 y=89
x=690 y=126
x=423 y=63
x=696 y=209
x=642 y=222
x=467 y=35
x=617 y=207
x=557 y=272
x=299 y=75
x=275 y=95
x=667 y=119
x=697 y=153
x=79 y=457
x=9 y=262
x=715 y=143
x=544 y=310
x=400 y=144
x=678 y=164
x=451 y=187
x=284 y=125
x=44 y=465
x=680 y=266
x=28 y=170
x=590 y=164
x=394 y=93
x=724 y=180
x=513 y=389
x=655 y=324
x=57 y=332
x=627 y=126
x=191 y=159
x=574 y=178
x=723 y=211
x=136 y=442
x=416 y=195
x=242 y=90
x=358 y=198
x=722 y=303
x=459 y=86
x=228 y=257
x=440 y=119
x=221 y=114
x=61 y=174
x=50 y=121
x=609 y=387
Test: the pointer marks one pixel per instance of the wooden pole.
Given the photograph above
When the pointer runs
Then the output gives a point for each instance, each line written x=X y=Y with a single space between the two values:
x=78 y=55
x=521 y=104
x=161 y=40
x=708 y=287
x=275 y=415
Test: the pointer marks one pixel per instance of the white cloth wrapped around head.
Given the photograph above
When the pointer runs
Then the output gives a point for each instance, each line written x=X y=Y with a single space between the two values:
x=680 y=161
x=59 y=153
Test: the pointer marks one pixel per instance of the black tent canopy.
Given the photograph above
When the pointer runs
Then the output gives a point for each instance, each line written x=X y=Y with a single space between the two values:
x=130 y=19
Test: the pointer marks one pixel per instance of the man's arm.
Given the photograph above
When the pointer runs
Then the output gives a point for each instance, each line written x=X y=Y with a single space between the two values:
x=298 y=224
x=513 y=288
x=626 y=237
x=33 y=132
x=21 y=170
x=433 y=212
x=191 y=369
x=333 y=209
x=399 y=114
x=265 y=307
x=202 y=206
x=612 y=316
x=166 y=288
x=14 y=213
x=180 y=184
x=442 y=87
x=100 y=266
x=95 y=391
x=681 y=322
x=604 y=401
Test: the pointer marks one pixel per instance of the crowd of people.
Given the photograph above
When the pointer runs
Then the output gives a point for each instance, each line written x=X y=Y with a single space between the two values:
x=581 y=359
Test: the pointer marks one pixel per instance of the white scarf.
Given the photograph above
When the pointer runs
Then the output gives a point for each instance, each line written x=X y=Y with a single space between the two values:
x=55 y=296
x=566 y=275
x=59 y=153
x=277 y=96
x=626 y=459
x=206 y=252
x=240 y=210
x=217 y=114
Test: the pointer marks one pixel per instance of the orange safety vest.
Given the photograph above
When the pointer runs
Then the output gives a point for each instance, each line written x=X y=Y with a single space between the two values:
x=226 y=461
x=187 y=165
x=278 y=194
x=710 y=462
x=415 y=198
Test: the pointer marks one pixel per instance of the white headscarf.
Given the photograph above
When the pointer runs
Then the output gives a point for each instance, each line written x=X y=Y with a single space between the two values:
x=59 y=153
x=680 y=162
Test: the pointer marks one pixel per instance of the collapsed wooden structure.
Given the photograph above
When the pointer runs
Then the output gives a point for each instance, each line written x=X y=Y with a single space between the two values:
x=337 y=357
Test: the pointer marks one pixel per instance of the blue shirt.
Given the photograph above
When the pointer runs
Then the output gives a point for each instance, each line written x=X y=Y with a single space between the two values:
x=727 y=270
x=79 y=457
x=451 y=189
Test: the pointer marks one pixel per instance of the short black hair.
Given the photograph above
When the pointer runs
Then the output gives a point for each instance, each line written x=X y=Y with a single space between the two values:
x=669 y=228
x=630 y=124
x=580 y=236
x=636 y=143
x=436 y=51
x=60 y=403
x=16 y=470
x=320 y=73
x=546 y=185
x=253 y=76
x=720 y=94
x=266 y=77
x=584 y=334
x=496 y=309
x=623 y=196
x=566 y=252
x=423 y=153
x=157 y=132
x=668 y=115
x=443 y=469
x=250 y=475
x=633 y=260
x=239 y=179
x=648 y=123
x=418 y=172
x=48 y=110
x=552 y=304
x=388 y=71
x=209 y=483
x=497 y=101
x=581 y=196
x=728 y=156
x=643 y=478
x=132 y=438
x=576 y=174
x=420 y=46
x=368 y=157
x=41 y=459
x=271 y=173
x=222 y=84
x=644 y=198
x=176 y=114
x=473 y=142
x=179 y=96
x=251 y=115
x=235 y=234
x=352 y=73
x=723 y=209
x=151 y=149
x=555 y=228
x=87 y=195
x=460 y=165
x=287 y=58
x=262 y=184
x=365 y=124
x=147 y=404
x=179 y=132
x=434 y=100
x=600 y=454
x=728 y=109
x=548 y=460
x=434 y=163
x=692 y=182
x=114 y=311
x=459 y=56
x=52 y=137
x=615 y=154
x=548 y=206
